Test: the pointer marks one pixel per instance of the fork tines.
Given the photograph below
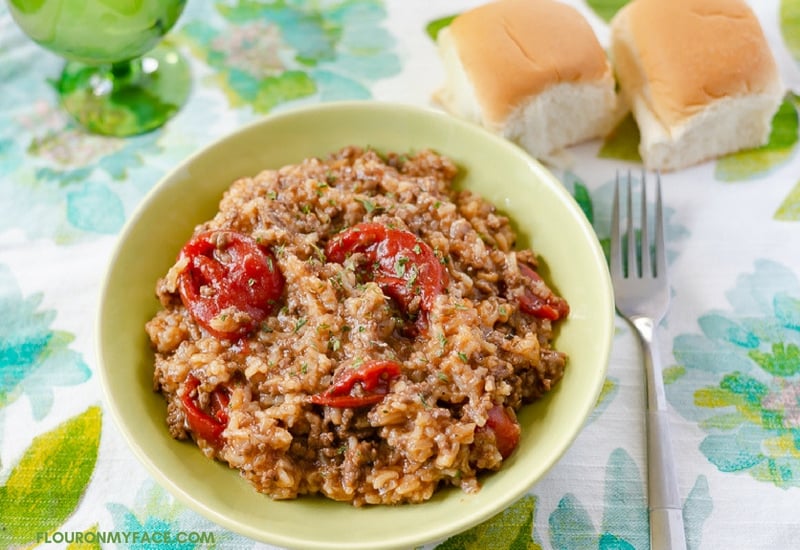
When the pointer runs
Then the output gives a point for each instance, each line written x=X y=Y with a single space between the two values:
x=645 y=266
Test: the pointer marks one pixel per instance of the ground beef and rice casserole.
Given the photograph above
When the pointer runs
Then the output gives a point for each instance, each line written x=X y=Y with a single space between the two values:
x=356 y=327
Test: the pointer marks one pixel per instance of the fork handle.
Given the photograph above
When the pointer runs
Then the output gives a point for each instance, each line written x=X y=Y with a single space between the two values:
x=666 y=515
x=666 y=529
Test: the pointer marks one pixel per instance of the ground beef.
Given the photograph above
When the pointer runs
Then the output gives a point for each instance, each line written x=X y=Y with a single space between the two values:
x=475 y=353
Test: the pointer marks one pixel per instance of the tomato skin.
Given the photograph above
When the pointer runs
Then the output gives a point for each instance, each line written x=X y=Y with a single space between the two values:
x=401 y=263
x=374 y=376
x=552 y=307
x=506 y=430
x=226 y=272
x=205 y=425
x=354 y=239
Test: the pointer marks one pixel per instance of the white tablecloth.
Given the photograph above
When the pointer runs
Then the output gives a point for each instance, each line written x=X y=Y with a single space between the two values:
x=731 y=340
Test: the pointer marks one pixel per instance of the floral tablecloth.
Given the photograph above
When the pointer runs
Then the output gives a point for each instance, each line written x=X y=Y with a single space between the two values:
x=731 y=340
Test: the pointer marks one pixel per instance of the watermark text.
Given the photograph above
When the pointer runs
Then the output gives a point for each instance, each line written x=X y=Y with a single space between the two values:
x=126 y=537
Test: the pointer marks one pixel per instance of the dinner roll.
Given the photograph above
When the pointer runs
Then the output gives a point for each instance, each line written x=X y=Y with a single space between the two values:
x=699 y=76
x=531 y=71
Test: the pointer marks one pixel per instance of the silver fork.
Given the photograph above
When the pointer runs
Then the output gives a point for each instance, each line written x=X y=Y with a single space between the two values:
x=642 y=297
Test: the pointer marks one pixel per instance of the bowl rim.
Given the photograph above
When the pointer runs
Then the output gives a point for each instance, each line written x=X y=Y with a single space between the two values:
x=463 y=521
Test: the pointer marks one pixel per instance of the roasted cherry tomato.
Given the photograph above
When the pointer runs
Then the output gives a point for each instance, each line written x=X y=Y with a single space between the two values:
x=230 y=283
x=398 y=261
x=506 y=430
x=549 y=307
x=207 y=425
x=373 y=377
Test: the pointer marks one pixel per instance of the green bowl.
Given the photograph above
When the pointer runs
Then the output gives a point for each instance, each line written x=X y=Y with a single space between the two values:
x=546 y=217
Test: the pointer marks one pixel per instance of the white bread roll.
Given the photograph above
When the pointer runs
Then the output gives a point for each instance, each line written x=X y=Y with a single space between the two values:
x=699 y=76
x=531 y=71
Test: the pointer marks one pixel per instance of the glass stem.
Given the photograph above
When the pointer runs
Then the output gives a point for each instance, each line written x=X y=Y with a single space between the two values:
x=129 y=97
x=125 y=72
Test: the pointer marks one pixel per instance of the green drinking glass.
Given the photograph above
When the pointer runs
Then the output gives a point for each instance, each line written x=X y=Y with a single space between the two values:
x=119 y=80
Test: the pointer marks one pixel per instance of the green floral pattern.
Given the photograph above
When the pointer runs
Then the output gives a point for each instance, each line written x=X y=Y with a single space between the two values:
x=508 y=529
x=282 y=51
x=47 y=484
x=33 y=358
x=624 y=525
x=155 y=511
x=749 y=403
x=257 y=56
x=790 y=25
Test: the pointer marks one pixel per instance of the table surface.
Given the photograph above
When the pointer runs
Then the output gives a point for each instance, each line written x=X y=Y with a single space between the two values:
x=731 y=341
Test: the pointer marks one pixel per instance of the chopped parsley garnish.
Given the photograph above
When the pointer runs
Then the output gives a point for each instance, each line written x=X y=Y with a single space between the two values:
x=400 y=266
x=368 y=205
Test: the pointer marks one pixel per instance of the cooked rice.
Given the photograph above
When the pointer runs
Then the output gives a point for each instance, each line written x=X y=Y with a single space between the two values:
x=429 y=431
